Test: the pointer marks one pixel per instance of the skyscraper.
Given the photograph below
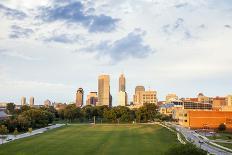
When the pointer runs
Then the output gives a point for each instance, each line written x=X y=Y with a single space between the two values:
x=79 y=97
x=23 y=101
x=141 y=96
x=122 y=95
x=32 y=101
x=104 y=97
x=122 y=98
x=92 y=98
x=138 y=94
x=122 y=83
x=47 y=103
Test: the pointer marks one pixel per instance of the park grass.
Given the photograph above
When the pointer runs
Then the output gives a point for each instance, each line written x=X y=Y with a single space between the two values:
x=227 y=145
x=222 y=135
x=95 y=139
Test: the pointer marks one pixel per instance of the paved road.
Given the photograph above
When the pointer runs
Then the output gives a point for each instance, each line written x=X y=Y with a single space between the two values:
x=34 y=132
x=194 y=137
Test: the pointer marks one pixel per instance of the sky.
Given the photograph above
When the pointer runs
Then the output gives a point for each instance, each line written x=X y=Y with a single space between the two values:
x=50 y=48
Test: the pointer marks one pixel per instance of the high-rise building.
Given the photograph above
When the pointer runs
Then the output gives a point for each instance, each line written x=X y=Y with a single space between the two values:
x=23 y=101
x=104 y=96
x=141 y=96
x=149 y=97
x=122 y=83
x=79 y=97
x=122 y=95
x=229 y=100
x=92 y=99
x=47 y=103
x=122 y=98
x=171 y=97
x=32 y=101
x=138 y=94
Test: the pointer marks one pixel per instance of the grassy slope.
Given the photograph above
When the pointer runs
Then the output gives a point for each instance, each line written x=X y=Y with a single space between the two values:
x=100 y=139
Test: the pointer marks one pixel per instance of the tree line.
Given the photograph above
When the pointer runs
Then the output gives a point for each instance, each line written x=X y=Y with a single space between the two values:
x=28 y=117
x=105 y=114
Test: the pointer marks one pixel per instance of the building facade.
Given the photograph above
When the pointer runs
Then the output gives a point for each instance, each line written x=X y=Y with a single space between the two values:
x=92 y=99
x=137 y=98
x=47 y=103
x=142 y=96
x=229 y=100
x=122 y=83
x=171 y=97
x=122 y=98
x=23 y=101
x=79 y=97
x=218 y=103
x=200 y=119
x=104 y=96
x=32 y=101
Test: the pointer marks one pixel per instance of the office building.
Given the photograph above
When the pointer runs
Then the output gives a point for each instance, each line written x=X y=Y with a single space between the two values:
x=122 y=98
x=122 y=95
x=47 y=103
x=229 y=100
x=92 y=99
x=79 y=97
x=199 y=119
x=141 y=96
x=122 y=83
x=104 y=96
x=203 y=99
x=218 y=103
x=137 y=98
x=23 y=101
x=171 y=97
x=32 y=101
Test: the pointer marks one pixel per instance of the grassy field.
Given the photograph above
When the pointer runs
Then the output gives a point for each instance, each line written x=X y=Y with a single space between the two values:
x=95 y=140
x=226 y=145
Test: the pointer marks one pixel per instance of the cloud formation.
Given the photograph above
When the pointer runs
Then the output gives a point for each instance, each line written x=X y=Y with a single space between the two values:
x=74 y=13
x=177 y=27
x=20 y=32
x=12 y=13
x=64 y=38
x=130 y=46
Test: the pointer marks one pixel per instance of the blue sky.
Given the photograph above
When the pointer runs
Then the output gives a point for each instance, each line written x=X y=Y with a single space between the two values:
x=49 y=48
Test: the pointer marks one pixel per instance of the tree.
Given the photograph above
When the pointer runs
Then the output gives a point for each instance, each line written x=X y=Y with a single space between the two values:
x=10 y=107
x=25 y=108
x=187 y=149
x=148 y=112
x=23 y=122
x=222 y=127
x=15 y=133
x=70 y=112
x=3 y=132
x=88 y=111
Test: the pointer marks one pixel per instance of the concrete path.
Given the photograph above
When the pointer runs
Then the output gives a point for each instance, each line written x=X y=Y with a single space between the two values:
x=201 y=141
x=34 y=132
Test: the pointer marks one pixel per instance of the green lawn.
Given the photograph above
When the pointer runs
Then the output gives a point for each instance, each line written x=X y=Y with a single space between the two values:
x=228 y=145
x=225 y=136
x=95 y=140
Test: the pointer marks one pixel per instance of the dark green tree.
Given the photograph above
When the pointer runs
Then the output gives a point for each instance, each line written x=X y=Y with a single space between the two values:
x=10 y=107
x=222 y=127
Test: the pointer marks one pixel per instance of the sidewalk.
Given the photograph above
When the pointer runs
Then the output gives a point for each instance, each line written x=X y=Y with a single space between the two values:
x=34 y=132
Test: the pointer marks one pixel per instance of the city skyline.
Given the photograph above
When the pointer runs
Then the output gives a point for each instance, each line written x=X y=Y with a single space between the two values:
x=177 y=46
